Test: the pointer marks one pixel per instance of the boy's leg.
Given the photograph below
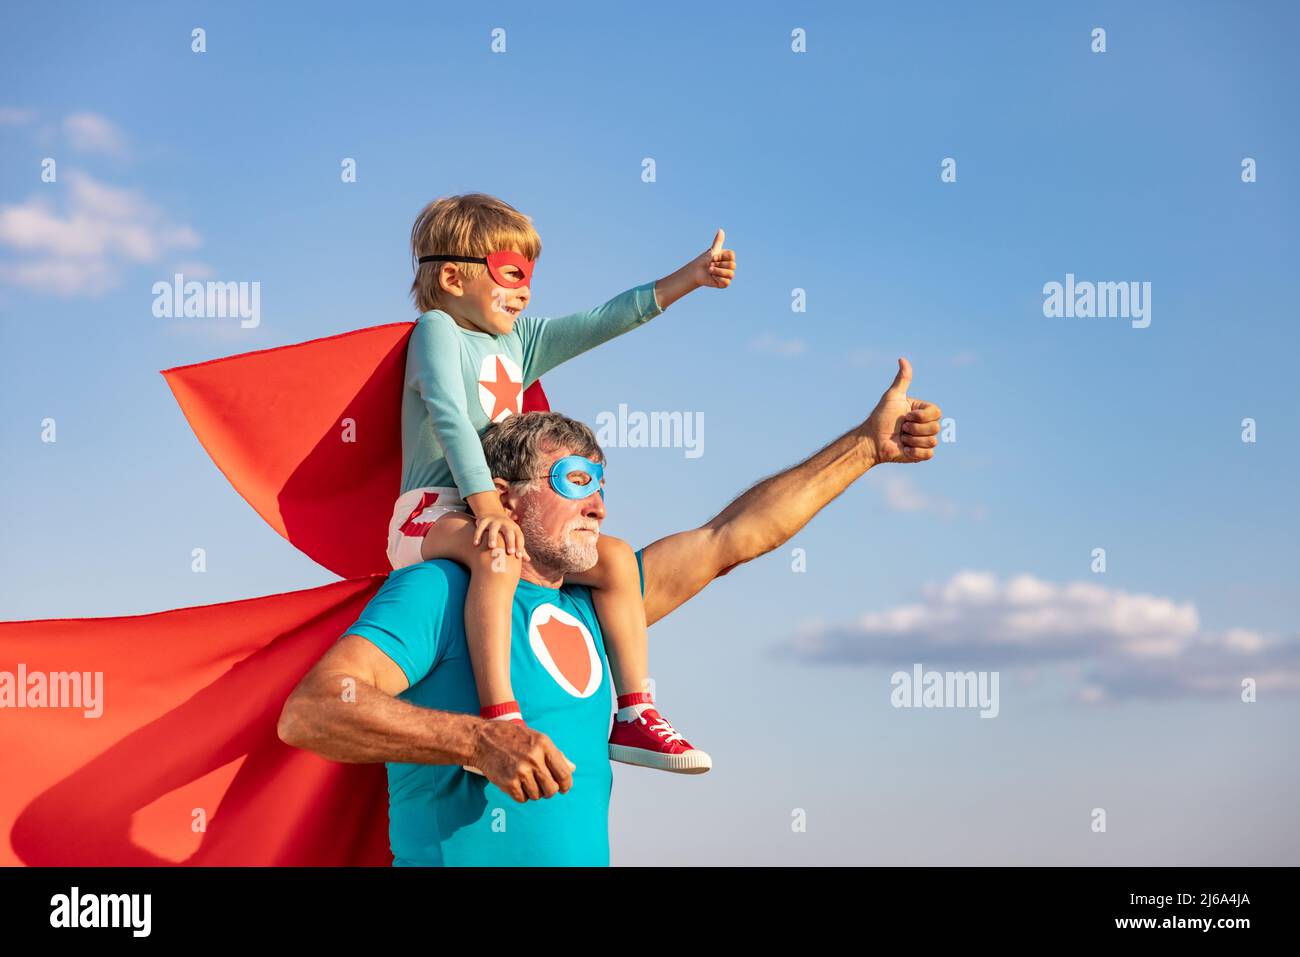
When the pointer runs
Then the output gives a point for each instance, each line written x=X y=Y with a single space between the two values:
x=641 y=735
x=616 y=592
x=488 y=605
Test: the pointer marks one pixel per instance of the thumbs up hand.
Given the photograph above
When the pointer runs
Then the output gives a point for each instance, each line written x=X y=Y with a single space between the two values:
x=715 y=266
x=902 y=429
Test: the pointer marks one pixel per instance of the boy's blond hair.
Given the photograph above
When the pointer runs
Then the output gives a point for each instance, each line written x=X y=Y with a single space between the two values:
x=473 y=224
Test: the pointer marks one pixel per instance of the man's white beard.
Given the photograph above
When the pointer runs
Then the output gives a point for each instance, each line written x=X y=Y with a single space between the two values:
x=570 y=554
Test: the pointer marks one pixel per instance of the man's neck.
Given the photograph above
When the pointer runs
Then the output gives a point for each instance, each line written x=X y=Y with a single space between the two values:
x=540 y=573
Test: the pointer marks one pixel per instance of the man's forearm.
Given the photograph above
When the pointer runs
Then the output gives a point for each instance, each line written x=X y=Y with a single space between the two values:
x=761 y=519
x=367 y=726
x=899 y=429
x=772 y=511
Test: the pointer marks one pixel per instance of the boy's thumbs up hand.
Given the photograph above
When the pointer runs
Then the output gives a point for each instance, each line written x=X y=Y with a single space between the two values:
x=715 y=266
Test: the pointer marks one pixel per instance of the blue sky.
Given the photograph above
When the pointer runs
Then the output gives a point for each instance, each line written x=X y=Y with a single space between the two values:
x=823 y=167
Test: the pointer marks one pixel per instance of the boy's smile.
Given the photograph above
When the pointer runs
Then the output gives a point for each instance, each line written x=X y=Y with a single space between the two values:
x=495 y=308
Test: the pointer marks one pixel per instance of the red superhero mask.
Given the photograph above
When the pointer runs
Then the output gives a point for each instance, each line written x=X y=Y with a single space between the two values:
x=497 y=264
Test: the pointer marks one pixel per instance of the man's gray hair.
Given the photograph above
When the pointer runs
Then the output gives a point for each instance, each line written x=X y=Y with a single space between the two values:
x=517 y=448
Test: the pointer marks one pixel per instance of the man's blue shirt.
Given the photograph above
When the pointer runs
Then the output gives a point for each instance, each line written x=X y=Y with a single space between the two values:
x=443 y=815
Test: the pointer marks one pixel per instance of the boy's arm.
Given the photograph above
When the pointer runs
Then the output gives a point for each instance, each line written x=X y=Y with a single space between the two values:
x=433 y=369
x=549 y=342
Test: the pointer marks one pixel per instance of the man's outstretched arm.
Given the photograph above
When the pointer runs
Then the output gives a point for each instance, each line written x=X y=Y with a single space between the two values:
x=899 y=429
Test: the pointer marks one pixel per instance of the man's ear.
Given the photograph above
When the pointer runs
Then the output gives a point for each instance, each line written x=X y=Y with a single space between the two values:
x=509 y=501
x=449 y=280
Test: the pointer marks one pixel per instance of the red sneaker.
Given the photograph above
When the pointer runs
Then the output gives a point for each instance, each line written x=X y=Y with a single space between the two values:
x=651 y=742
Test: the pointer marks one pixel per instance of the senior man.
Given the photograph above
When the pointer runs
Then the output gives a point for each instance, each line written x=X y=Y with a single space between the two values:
x=398 y=687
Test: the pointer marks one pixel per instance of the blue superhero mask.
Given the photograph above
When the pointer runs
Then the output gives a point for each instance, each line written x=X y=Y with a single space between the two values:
x=575 y=475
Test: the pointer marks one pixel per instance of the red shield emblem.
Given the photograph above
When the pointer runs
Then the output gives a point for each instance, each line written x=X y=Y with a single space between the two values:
x=564 y=646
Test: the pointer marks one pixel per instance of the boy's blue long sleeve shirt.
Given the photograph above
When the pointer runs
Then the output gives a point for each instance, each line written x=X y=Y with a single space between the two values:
x=459 y=381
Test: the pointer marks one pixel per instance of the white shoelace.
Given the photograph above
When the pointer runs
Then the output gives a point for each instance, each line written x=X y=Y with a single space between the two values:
x=663 y=729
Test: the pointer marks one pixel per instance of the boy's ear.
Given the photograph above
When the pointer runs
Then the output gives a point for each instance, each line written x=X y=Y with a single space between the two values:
x=449 y=280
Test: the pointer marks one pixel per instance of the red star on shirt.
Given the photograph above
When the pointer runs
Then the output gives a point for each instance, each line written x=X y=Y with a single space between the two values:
x=505 y=392
x=568 y=650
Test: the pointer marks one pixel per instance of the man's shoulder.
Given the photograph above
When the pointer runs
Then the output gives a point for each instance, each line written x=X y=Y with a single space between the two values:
x=439 y=577
x=444 y=578
x=578 y=593
x=583 y=592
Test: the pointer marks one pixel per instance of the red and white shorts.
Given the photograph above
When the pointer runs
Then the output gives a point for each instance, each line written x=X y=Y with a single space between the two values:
x=413 y=515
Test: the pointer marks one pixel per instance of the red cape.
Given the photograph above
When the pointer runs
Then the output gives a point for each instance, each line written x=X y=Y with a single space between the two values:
x=184 y=764
x=311 y=436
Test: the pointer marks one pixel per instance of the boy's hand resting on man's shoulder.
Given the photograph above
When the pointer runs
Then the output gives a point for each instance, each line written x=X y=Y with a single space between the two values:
x=492 y=529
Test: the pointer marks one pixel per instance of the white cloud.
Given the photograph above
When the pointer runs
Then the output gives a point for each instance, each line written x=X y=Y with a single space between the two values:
x=92 y=133
x=13 y=116
x=83 y=249
x=65 y=277
x=1136 y=644
x=902 y=495
x=194 y=271
x=781 y=347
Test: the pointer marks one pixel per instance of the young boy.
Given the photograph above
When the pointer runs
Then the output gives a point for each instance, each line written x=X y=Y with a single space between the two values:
x=469 y=359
